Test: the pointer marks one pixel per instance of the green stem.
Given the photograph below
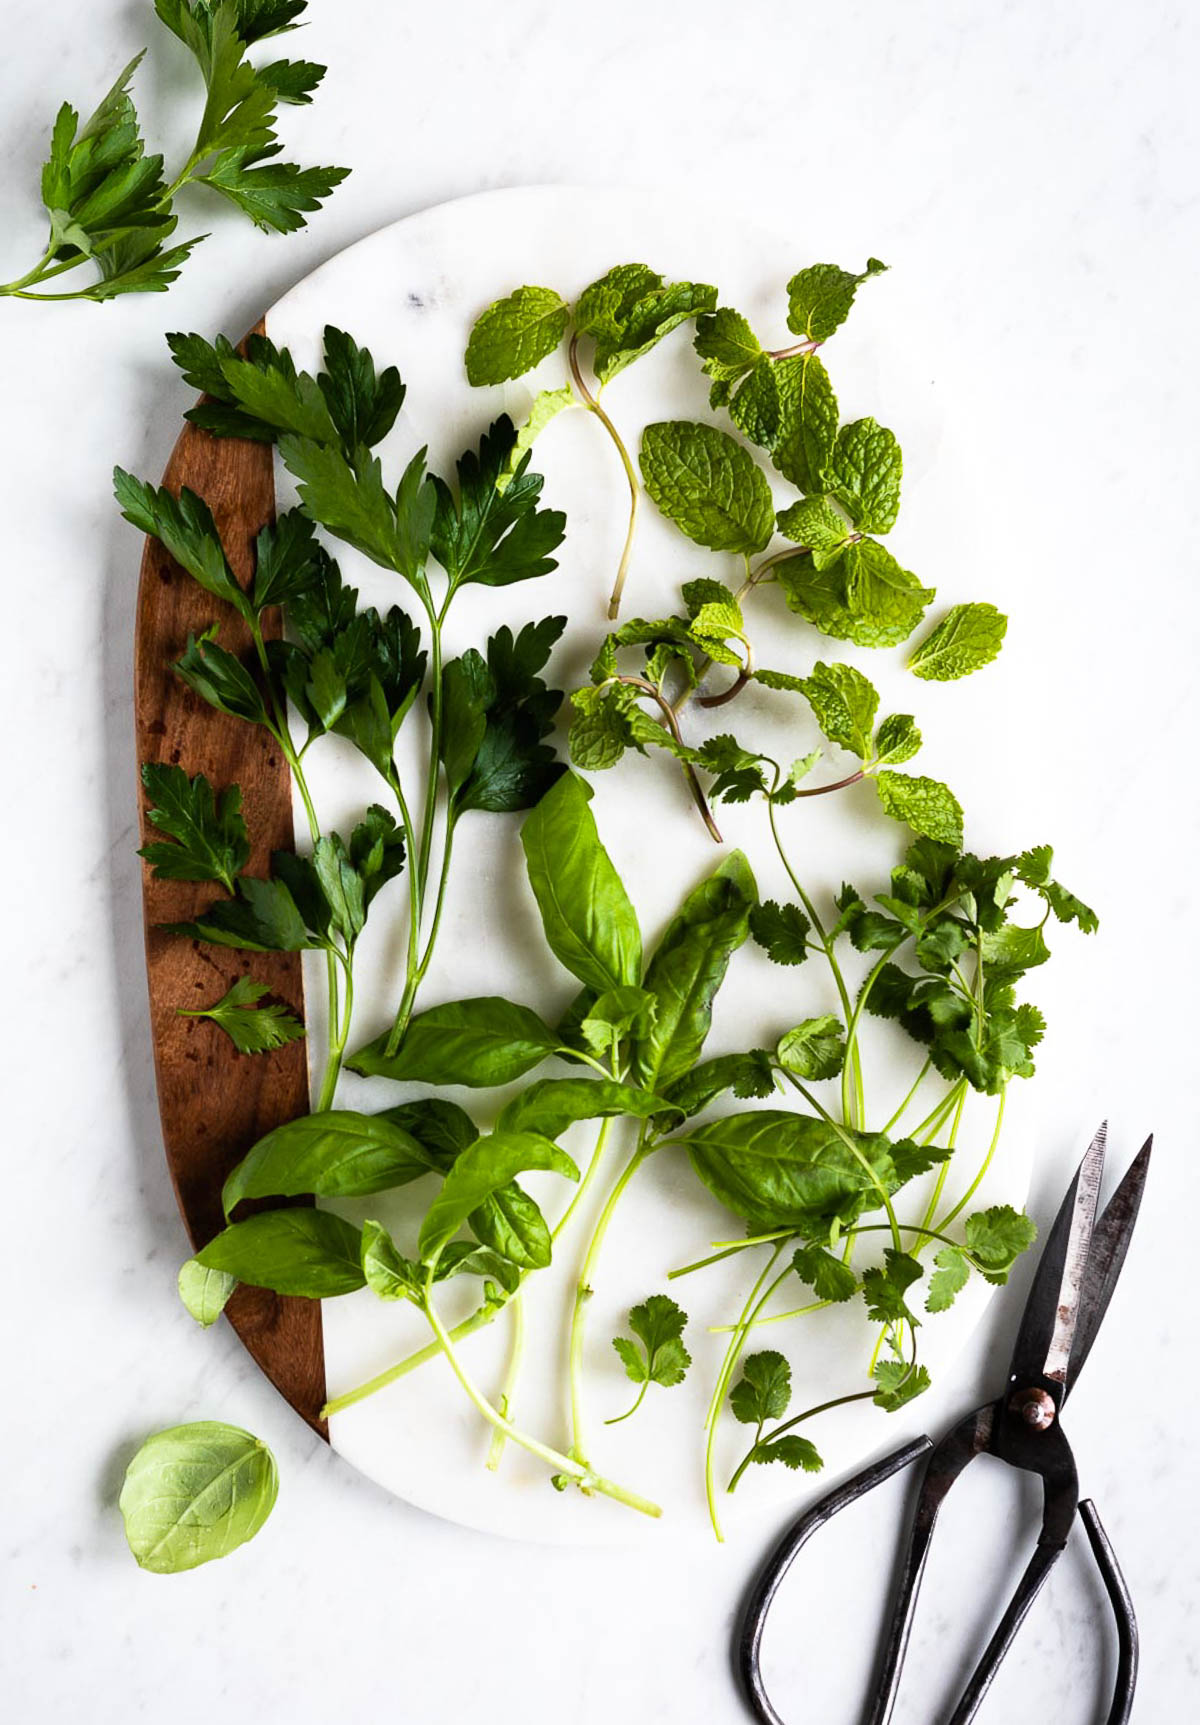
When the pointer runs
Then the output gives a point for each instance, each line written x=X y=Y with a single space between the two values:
x=583 y=1293
x=754 y=1303
x=420 y=849
x=904 y=1106
x=629 y=1412
x=798 y=1419
x=774 y=1318
x=583 y=1476
x=986 y=1164
x=593 y=406
x=508 y=1392
x=477 y=1321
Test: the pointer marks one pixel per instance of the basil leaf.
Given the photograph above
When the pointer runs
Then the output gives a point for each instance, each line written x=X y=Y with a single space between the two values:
x=708 y=484
x=779 y=1170
x=204 y=1292
x=481 y=1042
x=687 y=970
x=511 y=1224
x=307 y=1252
x=334 y=1154
x=553 y=1104
x=389 y=1274
x=441 y=1128
x=483 y=1169
x=194 y=1493
x=591 y=926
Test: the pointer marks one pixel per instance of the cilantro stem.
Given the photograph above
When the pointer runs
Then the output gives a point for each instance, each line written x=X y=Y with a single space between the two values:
x=582 y=1475
x=629 y=1412
x=593 y=406
x=774 y=1318
x=583 y=1291
x=755 y=1301
x=478 y=1320
x=984 y=1166
x=797 y=1419
x=513 y=1372
x=903 y=1108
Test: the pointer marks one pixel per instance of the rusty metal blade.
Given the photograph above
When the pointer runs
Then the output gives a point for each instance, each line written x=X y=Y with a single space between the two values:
x=1047 y=1333
x=1110 y=1242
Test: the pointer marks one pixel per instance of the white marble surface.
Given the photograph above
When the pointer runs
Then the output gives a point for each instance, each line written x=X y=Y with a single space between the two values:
x=1029 y=173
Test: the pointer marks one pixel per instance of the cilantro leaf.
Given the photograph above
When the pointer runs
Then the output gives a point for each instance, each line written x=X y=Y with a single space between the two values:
x=491 y=536
x=708 y=485
x=746 y=1075
x=826 y=1275
x=925 y=805
x=996 y=1238
x=967 y=638
x=1033 y=868
x=764 y=1389
x=898 y=1384
x=820 y=297
x=658 y=1323
x=251 y=1028
x=884 y=1289
x=515 y=334
x=815 y=1049
x=792 y=1450
x=781 y=930
x=844 y=704
x=211 y=842
x=951 y=1276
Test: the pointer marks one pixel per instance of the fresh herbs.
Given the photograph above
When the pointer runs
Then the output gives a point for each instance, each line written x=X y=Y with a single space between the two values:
x=110 y=204
x=840 y=1202
x=194 y=1493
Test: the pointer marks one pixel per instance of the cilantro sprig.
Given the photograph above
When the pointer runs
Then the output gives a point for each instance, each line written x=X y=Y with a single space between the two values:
x=110 y=204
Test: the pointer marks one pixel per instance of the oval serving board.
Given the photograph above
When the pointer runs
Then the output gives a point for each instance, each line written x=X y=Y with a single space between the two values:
x=214 y=1102
x=411 y=292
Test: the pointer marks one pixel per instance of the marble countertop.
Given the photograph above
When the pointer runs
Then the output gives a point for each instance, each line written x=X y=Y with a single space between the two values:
x=1029 y=173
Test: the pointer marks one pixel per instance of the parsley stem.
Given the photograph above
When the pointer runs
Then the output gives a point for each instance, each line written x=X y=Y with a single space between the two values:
x=419 y=858
x=583 y=1292
x=513 y=1372
x=36 y=273
x=755 y=1301
x=593 y=406
x=582 y=1475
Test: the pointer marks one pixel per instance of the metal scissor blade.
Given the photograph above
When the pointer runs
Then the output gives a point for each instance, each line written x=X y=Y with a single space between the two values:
x=1044 y=1341
x=1110 y=1242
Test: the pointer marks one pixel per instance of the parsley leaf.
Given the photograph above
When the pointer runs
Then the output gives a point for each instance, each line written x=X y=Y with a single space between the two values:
x=708 y=485
x=515 y=334
x=967 y=638
x=658 y=1323
x=211 y=842
x=184 y=525
x=251 y=1028
x=492 y=536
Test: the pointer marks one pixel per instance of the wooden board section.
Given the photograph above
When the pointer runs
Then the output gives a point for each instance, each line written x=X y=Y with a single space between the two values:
x=215 y=1103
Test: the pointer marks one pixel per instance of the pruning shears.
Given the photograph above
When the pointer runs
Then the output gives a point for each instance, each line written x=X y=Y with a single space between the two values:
x=1071 y=1290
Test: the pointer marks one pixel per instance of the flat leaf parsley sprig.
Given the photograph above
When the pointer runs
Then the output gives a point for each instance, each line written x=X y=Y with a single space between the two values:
x=110 y=204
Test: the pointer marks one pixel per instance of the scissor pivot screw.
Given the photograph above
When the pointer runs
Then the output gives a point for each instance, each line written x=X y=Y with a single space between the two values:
x=1035 y=1407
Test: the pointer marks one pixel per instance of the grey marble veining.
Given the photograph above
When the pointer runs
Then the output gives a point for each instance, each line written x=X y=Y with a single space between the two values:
x=1029 y=171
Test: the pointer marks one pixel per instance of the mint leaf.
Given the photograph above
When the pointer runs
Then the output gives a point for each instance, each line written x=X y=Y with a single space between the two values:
x=826 y=1275
x=708 y=485
x=925 y=805
x=515 y=334
x=967 y=638
x=764 y=1389
x=817 y=525
x=898 y=1384
x=547 y=405
x=815 y=1049
x=820 y=297
x=629 y=310
x=865 y=473
x=728 y=348
x=863 y=596
x=844 y=704
x=252 y=1029
x=803 y=444
x=897 y=740
x=951 y=1276
x=211 y=842
x=781 y=930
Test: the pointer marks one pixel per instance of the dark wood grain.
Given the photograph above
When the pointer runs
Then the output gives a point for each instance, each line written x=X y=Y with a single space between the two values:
x=215 y=1103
